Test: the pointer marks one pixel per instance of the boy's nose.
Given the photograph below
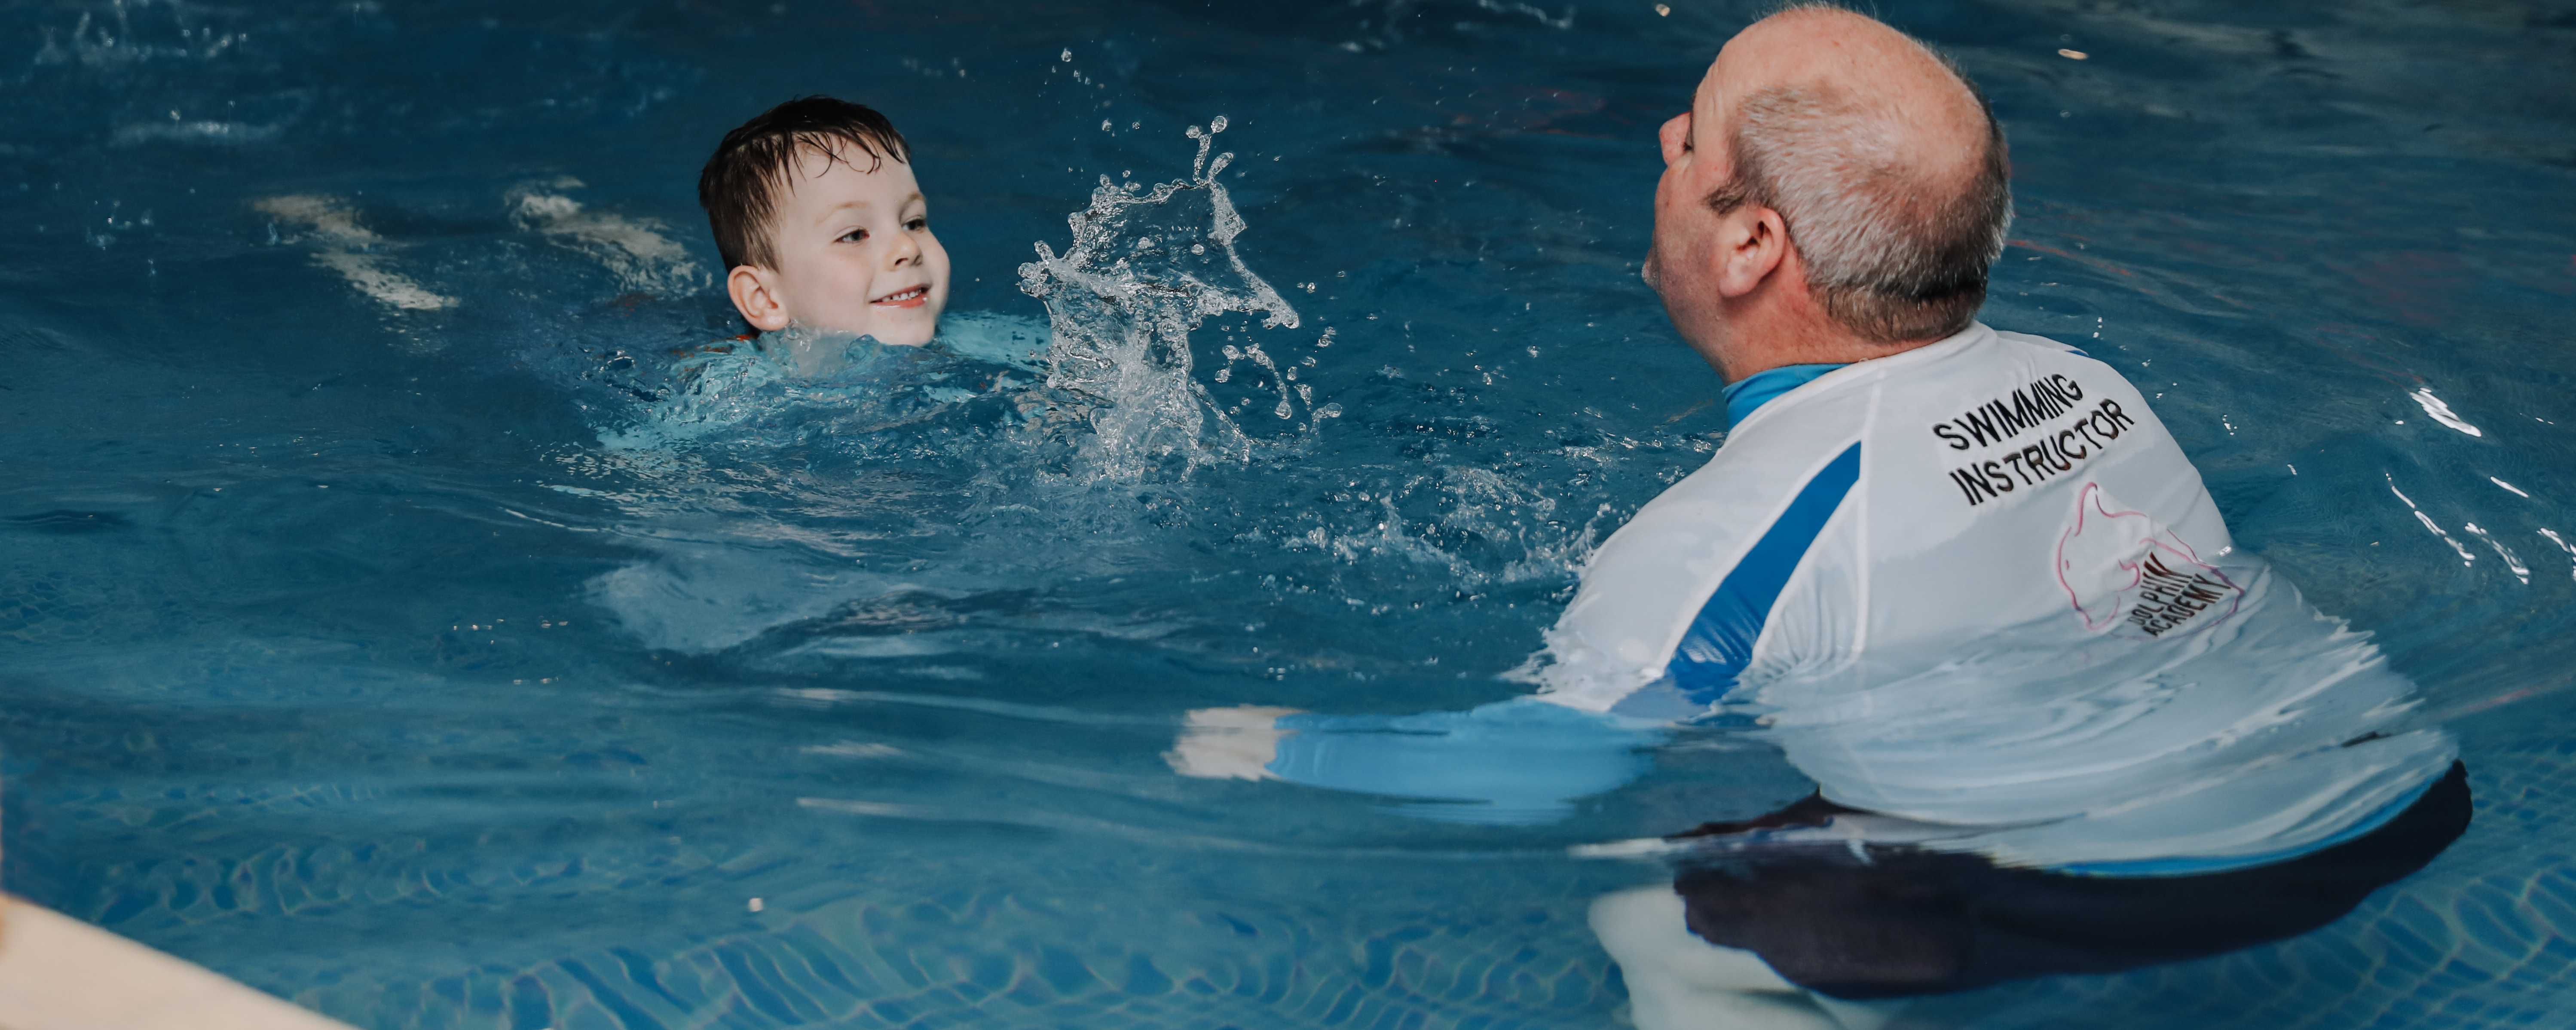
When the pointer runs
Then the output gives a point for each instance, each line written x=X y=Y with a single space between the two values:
x=905 y=250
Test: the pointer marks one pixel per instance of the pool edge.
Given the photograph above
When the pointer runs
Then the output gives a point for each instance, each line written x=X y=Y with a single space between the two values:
x=58 y=973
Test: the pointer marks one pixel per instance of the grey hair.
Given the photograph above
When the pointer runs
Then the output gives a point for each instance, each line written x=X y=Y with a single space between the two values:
x=1890 y=255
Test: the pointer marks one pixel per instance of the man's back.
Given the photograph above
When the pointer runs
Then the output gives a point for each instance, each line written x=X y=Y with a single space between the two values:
x=1978 y=584
x=1891 y=503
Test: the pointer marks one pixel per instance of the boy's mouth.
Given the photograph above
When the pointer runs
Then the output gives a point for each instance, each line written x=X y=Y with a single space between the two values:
x=912 y=297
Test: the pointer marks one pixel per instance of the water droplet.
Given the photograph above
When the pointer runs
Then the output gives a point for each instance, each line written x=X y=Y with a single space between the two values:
x=1067 y=55
x=1217 y=124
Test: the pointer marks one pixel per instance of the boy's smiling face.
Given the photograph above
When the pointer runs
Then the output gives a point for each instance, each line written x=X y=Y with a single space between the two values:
x=854 y=254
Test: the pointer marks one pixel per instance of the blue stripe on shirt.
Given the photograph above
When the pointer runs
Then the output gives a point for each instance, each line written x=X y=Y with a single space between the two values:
x=1719 y=643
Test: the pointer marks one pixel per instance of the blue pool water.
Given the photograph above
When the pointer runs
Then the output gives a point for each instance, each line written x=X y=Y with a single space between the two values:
x=392 y=619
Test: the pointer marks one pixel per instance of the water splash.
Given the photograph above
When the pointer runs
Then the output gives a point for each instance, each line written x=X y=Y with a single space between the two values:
x=800 y=385
x=1144 y=269
x=802 y=382
x=140 y=32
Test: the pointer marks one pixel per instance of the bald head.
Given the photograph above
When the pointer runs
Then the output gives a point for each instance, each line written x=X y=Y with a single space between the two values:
x=1910 y=98
x=1885 y=167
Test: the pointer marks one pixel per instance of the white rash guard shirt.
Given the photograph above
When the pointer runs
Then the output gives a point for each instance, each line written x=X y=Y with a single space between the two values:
x=1977 y=587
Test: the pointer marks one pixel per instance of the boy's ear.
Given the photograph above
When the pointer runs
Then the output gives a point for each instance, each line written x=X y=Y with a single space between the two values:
x=755 y=294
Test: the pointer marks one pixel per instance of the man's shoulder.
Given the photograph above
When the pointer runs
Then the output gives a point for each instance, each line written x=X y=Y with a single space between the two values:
x=2035 y=340
x=2041 y=349
x=1990 y=361
x=1782 y=447
x=1928 y=373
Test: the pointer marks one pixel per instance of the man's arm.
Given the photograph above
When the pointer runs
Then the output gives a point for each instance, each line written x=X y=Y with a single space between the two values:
x=1673 y=609
x=1519 y=761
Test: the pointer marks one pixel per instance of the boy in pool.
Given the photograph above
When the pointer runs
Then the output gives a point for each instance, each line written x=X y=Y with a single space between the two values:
x=821 y=224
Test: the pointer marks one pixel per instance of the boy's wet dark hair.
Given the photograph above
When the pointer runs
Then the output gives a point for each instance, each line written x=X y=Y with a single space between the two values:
x=742 y=183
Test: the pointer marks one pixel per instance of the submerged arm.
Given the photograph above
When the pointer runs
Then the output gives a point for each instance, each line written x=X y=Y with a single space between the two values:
x=1524 y=760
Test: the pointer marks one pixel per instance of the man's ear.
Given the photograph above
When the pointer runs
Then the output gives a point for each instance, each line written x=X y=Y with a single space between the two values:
x=755 y=293
x=1751 y=243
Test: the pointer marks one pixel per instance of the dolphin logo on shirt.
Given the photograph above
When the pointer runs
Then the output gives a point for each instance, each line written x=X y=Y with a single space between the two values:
x=2120 y=566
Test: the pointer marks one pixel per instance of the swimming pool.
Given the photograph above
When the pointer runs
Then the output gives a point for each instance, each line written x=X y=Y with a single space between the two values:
x=387 y=623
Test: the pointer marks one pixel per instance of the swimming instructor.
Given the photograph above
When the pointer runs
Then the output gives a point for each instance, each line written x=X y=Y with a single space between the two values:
x=1964 y=579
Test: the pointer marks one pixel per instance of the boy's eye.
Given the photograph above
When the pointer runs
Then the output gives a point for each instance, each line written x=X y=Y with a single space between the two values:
x=854 y=236
x=917 y=224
